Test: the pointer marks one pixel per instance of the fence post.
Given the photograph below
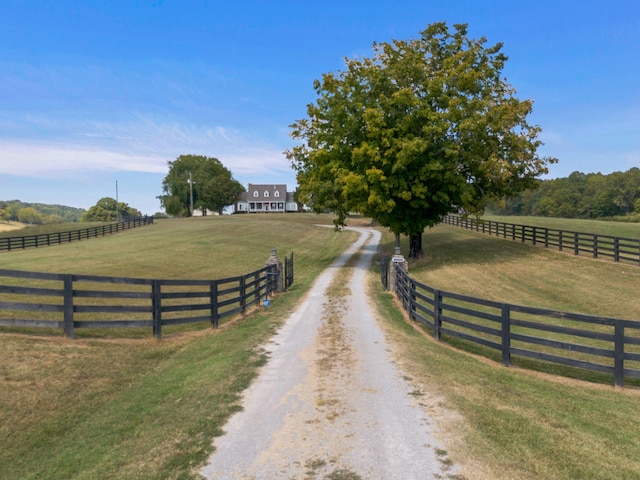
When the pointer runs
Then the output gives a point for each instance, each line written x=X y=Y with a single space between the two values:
x=576 y=244
x=68 y=305
x=546 y=238
x=156 y=307
x=560 y=240
x=243 y=290
x=506 y=335
x=616 y=249
x=618 y=356
x=213 y=297
x=437 y=314
x=595 y=246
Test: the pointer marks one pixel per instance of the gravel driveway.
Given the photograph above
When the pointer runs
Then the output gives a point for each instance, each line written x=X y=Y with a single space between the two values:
x=330 y=404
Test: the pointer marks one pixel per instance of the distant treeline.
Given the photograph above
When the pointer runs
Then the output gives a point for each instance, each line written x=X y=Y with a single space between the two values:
x=38 y=213
x=580 y=195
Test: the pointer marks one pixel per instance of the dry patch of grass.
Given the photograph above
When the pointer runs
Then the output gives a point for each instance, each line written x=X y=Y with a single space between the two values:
x=11 y=226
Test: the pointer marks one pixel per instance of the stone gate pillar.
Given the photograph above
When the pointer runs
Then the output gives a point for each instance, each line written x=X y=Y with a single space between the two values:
x=397 y=259
x=274 y=260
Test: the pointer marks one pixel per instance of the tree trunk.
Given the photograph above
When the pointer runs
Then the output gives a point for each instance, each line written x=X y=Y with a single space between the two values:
x=415 y=245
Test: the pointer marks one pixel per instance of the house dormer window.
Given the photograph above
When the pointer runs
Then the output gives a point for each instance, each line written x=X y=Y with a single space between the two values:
x=255 y=193
x=266 y=193
x=276 y=194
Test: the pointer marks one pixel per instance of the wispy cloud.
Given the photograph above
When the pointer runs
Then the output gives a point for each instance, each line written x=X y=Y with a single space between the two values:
x=140 y=144
x=50 y=159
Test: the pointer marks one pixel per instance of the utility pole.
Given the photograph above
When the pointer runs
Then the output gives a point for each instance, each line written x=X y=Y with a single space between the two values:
x=191 y=192
x=117 y=210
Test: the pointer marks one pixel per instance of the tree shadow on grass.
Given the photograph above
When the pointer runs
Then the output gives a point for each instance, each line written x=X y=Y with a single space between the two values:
x=446 y=246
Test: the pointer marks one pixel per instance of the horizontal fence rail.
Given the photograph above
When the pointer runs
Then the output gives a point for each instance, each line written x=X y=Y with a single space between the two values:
x=598 y=246
x=48 y=239
x=599 y=344
x=69 y=302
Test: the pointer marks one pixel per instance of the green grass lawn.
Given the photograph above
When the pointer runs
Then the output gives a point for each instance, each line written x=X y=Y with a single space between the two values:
x=128 y=408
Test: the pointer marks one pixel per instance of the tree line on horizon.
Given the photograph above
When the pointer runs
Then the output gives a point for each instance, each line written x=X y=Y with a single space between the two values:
x=105 y=210
x=614 y=196
x=38 y=213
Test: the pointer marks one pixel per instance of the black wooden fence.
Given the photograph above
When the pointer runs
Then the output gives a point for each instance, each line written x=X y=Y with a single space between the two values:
x=605 y=345
x=617 y=248
x=48 y=239
x=69 y=301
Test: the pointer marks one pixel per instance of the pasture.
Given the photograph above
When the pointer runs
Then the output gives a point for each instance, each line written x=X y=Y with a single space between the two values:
x=141 y=408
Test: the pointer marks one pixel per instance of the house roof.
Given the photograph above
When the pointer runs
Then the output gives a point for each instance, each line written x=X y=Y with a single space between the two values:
x=266 y=192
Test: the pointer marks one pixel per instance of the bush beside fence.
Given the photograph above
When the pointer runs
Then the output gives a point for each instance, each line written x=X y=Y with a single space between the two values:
x=598 y=246
x=48 y=239
x=69 y=302
x=605 y=345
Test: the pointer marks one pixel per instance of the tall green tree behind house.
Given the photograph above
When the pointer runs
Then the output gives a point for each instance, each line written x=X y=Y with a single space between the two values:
x=205 y=180
x=422 y=128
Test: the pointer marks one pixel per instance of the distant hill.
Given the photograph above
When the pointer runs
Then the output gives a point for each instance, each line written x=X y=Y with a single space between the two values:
x=53 y=213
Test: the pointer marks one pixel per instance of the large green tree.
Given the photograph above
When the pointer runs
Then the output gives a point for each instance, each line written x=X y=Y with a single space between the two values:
x=205 y=180
x=422 y=128
x=107 y=209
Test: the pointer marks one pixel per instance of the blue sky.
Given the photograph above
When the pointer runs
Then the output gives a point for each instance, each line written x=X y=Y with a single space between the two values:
x=98 y=92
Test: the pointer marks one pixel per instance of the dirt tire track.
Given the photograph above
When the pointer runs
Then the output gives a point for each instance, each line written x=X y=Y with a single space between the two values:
x=330 y=404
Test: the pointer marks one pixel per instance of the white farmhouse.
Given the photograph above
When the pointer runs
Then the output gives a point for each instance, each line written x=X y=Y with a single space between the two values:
x=267 y=198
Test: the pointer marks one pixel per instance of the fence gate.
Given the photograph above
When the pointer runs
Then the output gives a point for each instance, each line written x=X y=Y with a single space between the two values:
x=384 y=271
x=288 y=272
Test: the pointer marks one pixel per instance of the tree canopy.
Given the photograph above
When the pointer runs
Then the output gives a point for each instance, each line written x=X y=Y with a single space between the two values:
x=107 y=209
x=580 y=195
x=422 y=128
x=205 y=179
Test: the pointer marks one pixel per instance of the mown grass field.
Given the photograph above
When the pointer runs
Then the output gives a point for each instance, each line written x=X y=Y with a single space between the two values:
x=140 y=408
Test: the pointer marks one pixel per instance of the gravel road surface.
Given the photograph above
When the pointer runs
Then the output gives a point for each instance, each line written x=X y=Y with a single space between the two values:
x=330 y=403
